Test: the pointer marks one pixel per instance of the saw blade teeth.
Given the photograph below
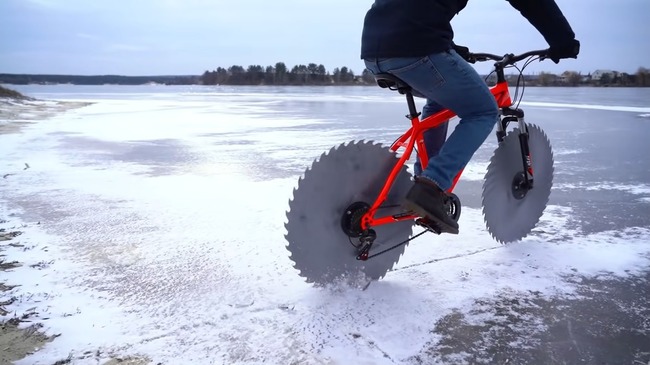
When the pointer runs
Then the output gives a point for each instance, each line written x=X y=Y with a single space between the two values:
x=321 y=251
x=506 y=218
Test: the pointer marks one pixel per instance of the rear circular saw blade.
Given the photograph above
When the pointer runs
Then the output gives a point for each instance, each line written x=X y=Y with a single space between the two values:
x=321 y=251
x=507 y=218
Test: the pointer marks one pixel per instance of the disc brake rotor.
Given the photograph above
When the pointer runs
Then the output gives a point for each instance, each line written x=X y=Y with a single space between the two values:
x=509 y=213
x=349 y=173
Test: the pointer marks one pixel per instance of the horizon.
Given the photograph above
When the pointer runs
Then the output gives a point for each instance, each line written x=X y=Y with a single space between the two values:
x=532 y=73
x=174 y=37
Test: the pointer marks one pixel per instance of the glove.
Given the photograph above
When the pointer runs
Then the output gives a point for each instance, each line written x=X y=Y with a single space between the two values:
x=566 y=50
x=463 y=52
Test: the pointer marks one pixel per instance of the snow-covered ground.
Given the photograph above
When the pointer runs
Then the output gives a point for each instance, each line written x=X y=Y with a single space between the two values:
x=154 y=227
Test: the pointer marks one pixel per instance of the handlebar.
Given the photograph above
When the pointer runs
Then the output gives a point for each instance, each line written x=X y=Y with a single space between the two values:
x=507 y=59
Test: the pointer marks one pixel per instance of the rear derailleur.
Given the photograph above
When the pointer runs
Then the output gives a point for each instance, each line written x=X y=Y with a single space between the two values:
x=351 y=225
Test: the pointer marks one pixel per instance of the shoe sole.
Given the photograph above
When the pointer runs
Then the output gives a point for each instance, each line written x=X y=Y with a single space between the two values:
x=444 y=227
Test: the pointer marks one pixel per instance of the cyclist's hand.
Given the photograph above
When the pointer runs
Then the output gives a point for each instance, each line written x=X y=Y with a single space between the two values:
x=566 y=50
x=463 y=52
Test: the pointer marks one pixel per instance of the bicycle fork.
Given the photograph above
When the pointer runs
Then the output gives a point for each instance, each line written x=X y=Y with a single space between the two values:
x=523 y=181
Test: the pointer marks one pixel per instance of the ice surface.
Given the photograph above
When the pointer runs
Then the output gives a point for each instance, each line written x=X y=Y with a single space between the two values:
x=161 y=234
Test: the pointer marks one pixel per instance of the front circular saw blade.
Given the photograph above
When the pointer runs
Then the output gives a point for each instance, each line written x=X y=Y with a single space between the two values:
x=348 y=173
x=509 y=219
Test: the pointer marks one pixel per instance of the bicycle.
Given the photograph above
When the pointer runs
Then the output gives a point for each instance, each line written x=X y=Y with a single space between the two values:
x=353 y=192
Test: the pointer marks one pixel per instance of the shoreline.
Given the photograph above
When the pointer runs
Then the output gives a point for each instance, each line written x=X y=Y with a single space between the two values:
x=18 y=113
x=22 y=329
x=19 y=335
x=18 y=338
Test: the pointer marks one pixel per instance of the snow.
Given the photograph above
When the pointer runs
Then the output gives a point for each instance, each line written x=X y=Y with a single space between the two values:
x=184 y=261
x=619 y=108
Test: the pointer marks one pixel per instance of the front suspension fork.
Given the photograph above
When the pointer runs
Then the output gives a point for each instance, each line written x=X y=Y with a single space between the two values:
x=509 y=115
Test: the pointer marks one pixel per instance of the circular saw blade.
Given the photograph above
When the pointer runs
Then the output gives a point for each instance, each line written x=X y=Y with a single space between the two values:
x=509 y=219
x=349 y=173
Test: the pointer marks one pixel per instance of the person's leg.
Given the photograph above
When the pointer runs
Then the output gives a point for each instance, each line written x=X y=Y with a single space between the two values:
x=433 y=138
x=452 y=83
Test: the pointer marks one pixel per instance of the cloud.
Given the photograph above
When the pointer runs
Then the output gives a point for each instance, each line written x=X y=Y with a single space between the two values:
x=46 y=3
x=123 y=47
x=91 y=37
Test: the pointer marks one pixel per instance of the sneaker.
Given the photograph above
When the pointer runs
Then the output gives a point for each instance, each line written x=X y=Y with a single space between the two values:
x=427 y=200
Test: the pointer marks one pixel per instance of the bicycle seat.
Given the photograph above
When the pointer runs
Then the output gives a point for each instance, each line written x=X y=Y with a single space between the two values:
x=392 y=82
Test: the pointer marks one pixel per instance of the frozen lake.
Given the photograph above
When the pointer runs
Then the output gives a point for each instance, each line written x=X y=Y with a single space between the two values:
x=161 y=233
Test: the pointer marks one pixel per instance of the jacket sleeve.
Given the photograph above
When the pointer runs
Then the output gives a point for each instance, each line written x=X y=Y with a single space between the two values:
x=547 y=18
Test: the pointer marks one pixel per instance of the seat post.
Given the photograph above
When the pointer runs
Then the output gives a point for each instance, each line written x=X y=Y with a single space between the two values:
x=410 y=100
x=392 y=82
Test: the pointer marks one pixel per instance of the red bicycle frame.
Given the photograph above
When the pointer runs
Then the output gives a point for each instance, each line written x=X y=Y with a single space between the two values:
x=412 y=137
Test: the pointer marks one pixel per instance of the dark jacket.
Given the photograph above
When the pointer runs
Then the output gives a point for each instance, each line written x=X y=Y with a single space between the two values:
x=416 y=28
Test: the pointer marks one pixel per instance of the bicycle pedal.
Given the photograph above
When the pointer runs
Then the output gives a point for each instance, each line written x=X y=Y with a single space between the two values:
x=428 y=224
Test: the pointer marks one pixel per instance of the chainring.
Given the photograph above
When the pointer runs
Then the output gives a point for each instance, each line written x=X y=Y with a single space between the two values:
x=508 y=217
x=348 y=173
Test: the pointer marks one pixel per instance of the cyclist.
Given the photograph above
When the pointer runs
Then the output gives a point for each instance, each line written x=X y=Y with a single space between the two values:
x=412 y=39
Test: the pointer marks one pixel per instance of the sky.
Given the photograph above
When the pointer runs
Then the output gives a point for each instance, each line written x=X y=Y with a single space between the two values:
x=188 y=37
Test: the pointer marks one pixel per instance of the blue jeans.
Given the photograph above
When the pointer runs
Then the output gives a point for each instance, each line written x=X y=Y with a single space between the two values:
x=447 y=81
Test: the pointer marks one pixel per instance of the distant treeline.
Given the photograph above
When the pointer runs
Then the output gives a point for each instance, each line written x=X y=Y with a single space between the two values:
x=23 y=79
x=313 y=74
x=280 y=74
x=597 y=78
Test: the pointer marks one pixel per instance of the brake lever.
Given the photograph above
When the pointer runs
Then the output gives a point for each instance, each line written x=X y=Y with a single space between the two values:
x=544 y=56
x=469 y=57
x=478 y=59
